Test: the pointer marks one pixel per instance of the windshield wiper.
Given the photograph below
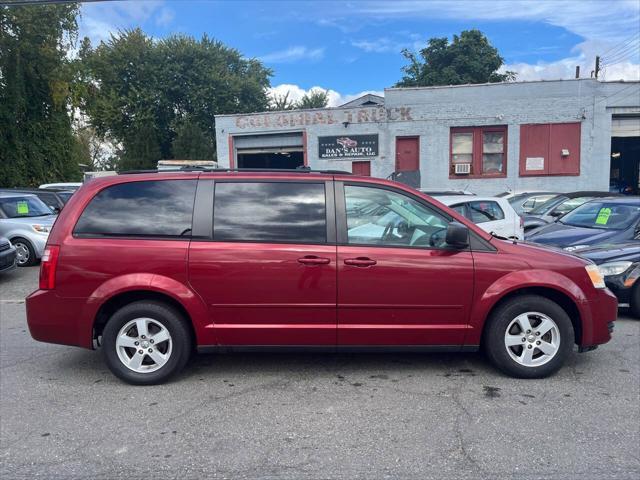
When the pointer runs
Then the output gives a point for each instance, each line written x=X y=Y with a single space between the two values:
x=495 y=235
x=500 y=237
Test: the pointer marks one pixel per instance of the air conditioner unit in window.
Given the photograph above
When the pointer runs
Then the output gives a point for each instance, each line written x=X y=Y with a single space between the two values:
x=463 y=168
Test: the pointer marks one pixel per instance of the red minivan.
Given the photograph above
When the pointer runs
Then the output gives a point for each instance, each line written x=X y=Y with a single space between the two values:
x=153 y=266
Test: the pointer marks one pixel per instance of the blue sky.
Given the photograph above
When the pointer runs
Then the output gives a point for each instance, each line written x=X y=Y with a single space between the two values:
x=351 y=47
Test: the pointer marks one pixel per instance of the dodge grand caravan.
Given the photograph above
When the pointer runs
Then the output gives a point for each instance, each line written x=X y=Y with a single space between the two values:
x=153 y=266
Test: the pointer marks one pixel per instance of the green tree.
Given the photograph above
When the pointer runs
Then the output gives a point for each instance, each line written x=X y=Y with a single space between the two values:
x=142 y=148
x=192 y=143
x=469 y=58
x=315 y=98
x=134 y=86
x=281 y=102
x=36 y=137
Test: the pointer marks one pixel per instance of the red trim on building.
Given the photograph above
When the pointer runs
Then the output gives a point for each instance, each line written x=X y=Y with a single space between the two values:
x=232 y=159
x=305 y=158
x=478 y=146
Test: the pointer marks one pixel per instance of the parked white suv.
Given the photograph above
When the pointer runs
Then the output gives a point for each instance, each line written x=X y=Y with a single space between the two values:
x=492 y=214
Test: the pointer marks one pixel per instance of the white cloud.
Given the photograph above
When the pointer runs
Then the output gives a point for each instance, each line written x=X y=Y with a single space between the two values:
x=624 y=68
x=165 y=17
x=387 y=44
x=335 y=98
x=99 y=19
x=588 y=19
x=602 y=25
x=293 y=54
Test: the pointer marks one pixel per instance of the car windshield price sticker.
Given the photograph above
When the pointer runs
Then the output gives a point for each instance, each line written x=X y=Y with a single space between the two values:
x=603 y=216
x=22 y=208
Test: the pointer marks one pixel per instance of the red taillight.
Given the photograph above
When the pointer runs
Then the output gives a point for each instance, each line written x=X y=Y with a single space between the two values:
x=48 y=267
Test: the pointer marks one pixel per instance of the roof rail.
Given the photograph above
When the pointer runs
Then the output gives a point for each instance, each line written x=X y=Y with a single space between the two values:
x=241 y=170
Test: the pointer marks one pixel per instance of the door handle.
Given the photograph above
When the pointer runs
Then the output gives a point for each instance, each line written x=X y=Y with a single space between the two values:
x=360 y=262
x=313 y=260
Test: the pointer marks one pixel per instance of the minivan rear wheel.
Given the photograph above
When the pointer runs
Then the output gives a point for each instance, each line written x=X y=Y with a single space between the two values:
x=529 y=336
x=146 y=343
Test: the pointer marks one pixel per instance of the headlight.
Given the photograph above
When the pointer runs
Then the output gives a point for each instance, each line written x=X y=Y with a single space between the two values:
x=596 y=277
x=575 y=247
x=613 y=268
x=41 y=228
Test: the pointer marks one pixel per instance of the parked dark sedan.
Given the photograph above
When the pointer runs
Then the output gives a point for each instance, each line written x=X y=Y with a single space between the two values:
x=620 y=266
x=7 y=255
x=558 y=206
x=607 y=220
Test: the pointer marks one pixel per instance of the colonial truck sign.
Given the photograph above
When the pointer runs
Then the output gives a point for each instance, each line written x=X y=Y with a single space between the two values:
x=348 y=146
x=329 y=116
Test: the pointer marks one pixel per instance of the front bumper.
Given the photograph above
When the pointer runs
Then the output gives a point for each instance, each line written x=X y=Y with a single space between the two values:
x=616 y=283
x=39 y=242
x=598 y=319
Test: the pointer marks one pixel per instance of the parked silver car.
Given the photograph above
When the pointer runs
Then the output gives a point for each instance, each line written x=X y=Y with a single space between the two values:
x=26 y=221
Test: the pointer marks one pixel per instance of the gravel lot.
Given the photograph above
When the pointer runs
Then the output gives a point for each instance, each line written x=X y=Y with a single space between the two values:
x=63 y=415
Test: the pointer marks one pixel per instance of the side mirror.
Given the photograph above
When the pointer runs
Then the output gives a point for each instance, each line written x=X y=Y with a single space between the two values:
x=457 y=235
x=556 y=214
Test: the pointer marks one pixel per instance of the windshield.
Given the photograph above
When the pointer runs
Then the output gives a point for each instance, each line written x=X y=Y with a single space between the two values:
x=603 y=215
x=65 y=196
x=547 y=206
x=19 y=207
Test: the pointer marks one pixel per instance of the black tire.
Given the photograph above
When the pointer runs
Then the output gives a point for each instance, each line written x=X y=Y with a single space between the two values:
x=634 y=300
x=173 y=321
x=30 y=251
x=502 y=317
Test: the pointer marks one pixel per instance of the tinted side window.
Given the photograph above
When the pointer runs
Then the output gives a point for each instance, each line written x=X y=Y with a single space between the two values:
x=270 y=212
x=160 y=208
x=485 y=211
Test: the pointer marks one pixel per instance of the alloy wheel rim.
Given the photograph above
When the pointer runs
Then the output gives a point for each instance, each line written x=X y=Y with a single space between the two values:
x=532 y=339
x=144 y=345
x=22 y=253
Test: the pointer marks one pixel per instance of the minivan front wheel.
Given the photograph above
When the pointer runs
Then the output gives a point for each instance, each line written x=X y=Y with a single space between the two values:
x=529 y=337
x=146 y=342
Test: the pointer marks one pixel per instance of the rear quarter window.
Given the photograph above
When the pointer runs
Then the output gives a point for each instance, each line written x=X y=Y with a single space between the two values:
x=159 y=208
x=485 y=211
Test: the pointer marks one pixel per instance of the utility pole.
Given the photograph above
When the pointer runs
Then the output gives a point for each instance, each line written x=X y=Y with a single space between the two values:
x=597 y=65
x=577 y=71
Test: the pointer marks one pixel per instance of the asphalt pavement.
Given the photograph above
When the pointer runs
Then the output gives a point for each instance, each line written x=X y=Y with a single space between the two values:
x=293 y=416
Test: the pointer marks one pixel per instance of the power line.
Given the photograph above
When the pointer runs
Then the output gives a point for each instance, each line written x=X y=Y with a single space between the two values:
x=618 y=93
x=621 y=44
x=623 y=53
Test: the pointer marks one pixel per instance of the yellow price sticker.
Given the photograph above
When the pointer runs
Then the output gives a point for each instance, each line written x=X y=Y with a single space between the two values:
x=22 y=208
x=603 y=216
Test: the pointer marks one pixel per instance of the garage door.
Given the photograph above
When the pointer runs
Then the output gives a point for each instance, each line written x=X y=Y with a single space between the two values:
x=625 y=127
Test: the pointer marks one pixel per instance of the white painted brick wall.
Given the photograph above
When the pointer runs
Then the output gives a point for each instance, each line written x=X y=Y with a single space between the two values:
x=435 y=110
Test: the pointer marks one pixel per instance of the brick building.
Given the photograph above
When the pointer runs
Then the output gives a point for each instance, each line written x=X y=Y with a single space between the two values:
x=549 y=135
